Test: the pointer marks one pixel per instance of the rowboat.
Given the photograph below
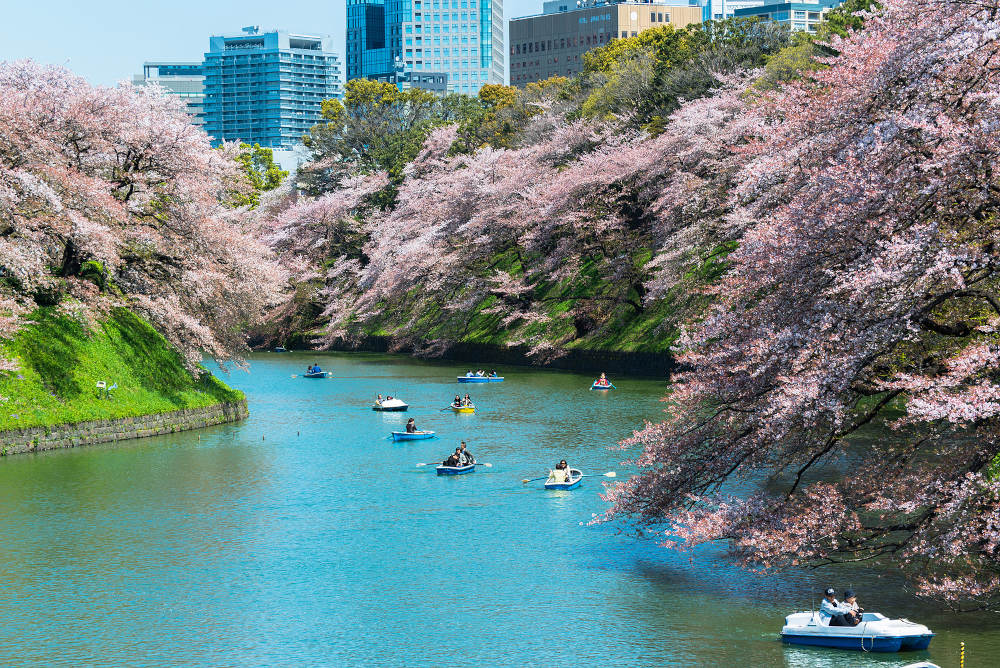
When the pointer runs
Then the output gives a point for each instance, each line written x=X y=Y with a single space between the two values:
x=875 y=633
x=480 y=379
x=609 y=386
x=411 y=435
x=279 y=349
x=575 y=478
x=390 y=405
x=455 y=470
x=315 y=374
x=463 y=409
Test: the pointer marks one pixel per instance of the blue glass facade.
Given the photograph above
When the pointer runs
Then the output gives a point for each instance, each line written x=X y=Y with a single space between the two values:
x=268 y=88
x=453 y=45
x=805 y=16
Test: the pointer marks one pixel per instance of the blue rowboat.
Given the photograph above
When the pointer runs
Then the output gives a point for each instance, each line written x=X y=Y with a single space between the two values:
x=315 y=374
x=411 y=436
x=875 y=633
x=455 y=470
x=609 y=386
x=279 y=349
x=480 y=379
x=575 y=478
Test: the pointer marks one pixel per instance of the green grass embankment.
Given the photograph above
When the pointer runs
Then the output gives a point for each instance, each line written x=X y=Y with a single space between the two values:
x=61 y=362
x=615 y=322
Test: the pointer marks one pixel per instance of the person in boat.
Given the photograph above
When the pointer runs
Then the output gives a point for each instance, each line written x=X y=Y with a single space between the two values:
x=457 y=403
x=464 y=456
x=831 y=611
x=378 y=400
x=469 y=374
x=314 y=369
x=455 y=459
x=856 y=611
x=560 y=473
x=603 y=380
x=480 y=373
x=411 y=426
x=467 y=401
x=493 y=373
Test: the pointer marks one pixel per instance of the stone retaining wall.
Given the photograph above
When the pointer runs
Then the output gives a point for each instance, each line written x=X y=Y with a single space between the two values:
x=34 y=439
x=480 y=354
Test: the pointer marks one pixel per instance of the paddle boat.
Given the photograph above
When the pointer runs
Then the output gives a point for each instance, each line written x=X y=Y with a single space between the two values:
x=875 y=633
x=315 y=374
x=480 y=379
x=390 y=405
x=455 y=470
x=411 y=435
x=575 y=478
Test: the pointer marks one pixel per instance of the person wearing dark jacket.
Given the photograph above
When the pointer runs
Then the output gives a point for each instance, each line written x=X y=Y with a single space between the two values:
x=465 y=457
x=455 y=459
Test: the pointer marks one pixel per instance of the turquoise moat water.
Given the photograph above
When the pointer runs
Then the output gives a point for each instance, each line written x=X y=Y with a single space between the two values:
x=303 y=537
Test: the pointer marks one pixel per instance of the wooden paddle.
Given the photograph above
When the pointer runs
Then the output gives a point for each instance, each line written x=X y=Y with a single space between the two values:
x=609 y=474
x=486 y=464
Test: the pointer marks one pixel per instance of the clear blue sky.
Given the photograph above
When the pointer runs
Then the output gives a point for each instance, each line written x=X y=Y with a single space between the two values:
x=106 y=41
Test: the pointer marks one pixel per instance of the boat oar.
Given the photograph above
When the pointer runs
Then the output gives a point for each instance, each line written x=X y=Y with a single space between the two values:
x=446 y=408
x=609 y=474
x=486 y=464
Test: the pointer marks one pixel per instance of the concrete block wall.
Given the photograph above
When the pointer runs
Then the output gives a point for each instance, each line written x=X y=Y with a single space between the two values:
x=34 y=439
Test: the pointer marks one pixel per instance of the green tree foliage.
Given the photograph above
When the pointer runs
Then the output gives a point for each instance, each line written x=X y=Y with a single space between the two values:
x=791 y=63
x=499 y=114
x=648 y=76
x=376 y=128
x=838 y=21
x=262 y=173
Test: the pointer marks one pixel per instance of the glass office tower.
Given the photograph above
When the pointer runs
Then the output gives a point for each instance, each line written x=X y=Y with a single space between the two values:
x=443 y=45
x=268 y=87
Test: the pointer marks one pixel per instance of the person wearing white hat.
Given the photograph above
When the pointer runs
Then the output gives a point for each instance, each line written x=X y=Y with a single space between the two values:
x=831 y=611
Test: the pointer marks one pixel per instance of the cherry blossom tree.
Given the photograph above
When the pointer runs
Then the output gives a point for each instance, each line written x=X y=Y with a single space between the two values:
x=111 y=197
x=847 y=372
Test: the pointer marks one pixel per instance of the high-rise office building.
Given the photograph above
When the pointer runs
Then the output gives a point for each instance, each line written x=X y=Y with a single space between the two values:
x=548 y=45
x=185 y=80
x=717 y=10
x=268 y=87
x=442 y=45
x=805 y=15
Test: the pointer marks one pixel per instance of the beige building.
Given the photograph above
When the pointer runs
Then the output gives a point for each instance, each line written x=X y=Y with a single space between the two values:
x=553 y=44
